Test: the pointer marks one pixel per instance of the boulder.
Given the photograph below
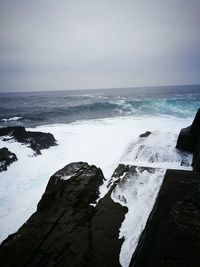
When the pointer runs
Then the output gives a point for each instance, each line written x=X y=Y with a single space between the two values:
x=189 y=141
x=67 y=230
x=6 y=158
x=35 y=140
x=185 y=141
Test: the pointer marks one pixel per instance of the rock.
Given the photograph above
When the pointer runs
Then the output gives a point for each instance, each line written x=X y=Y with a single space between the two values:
x=35 y=140
x=195 y=127
x=189 y=140
x=185 y=140
x=118 y=173
x=195 y=132
x=105 y=227
x=146 y=134
x=66 y=230
x=6 y=158
x=196 y=157
x=172 y=233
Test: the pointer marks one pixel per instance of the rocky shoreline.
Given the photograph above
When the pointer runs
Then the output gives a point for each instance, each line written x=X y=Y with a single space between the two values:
x=66 y=230
x=35 y=140
x=69 y=229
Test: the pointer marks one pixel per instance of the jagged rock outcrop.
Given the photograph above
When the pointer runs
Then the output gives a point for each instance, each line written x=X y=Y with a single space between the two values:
x=189 y=140
x=36 y=140
x=172 y=234
x=6 y=158
x=66 y=230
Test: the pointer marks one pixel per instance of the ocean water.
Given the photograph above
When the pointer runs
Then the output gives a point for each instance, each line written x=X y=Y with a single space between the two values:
x=41 y=108
x=101 y=127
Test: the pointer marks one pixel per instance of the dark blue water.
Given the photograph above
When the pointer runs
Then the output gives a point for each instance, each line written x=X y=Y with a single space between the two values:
x=39 y=108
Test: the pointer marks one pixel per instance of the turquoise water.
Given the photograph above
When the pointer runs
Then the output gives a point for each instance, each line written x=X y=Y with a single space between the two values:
x=40 y=108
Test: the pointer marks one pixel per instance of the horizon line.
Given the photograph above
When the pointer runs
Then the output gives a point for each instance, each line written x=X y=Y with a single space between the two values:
x=105 y=88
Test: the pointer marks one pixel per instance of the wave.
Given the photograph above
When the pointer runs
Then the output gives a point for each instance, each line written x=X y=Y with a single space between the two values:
x=100 y=142
x=138 y=191
x=97 y=107
x=176 y=107
x=12 y=119
x=123 y=107
x=157 y=150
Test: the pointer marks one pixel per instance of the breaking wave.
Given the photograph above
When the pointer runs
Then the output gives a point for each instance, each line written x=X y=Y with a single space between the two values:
x=95 y=108
x=11 y=119
x=157 y=150
x=138 y=191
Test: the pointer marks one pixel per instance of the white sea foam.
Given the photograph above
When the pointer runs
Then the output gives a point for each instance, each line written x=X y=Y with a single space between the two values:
x=158 y=151
x=101 y=142
x=12 y=119
x=138 y=192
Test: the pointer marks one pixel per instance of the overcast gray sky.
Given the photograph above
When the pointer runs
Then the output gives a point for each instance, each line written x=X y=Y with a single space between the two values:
x=76 y=44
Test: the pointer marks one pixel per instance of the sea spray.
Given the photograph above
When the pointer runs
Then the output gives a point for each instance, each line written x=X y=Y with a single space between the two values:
x=100 y=142
x=139 y=190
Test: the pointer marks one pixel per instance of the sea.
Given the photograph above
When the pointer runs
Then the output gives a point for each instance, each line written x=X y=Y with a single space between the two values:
x=101 y=127
x=32 y=109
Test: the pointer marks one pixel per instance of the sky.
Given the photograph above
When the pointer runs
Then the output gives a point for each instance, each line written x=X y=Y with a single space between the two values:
x=88 y=44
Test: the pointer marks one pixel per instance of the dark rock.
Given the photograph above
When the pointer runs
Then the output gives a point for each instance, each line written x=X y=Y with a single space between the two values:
x=36 y=140
x=195 y=127
x=118 y=173
x=105 y=231
x=172 y=234
x=185 y=141
x=189 y=140
x=196 y=157
x=66 y=230
x=145 y=134
x=6 y=158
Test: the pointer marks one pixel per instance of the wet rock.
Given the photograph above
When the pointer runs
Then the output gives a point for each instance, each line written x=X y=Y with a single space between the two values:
x=36 y=140
x=146 y=134
x=185 y=141
x=195 y=127
x=196 y=157
x=6 y=158
x=105 y=231
x=66 y=230
x=118 y=173
x=189 y=141
x=172 y=234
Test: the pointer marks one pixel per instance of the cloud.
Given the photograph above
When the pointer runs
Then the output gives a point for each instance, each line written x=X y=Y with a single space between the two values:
x=49 y=45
